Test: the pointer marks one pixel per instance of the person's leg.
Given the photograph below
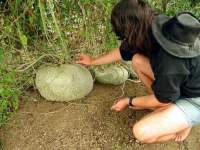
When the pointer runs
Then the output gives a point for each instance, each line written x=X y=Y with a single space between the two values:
x=162 y=125
x=142 y=67
x=182 y=135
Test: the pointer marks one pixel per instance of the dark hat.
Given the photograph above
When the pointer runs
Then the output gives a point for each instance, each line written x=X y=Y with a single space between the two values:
x=179 y=35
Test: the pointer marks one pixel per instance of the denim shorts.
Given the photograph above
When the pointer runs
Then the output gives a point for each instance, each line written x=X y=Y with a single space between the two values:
x=191 y=109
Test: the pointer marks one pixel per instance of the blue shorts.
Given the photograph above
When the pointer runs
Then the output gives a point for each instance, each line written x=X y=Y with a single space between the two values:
x=191 y=109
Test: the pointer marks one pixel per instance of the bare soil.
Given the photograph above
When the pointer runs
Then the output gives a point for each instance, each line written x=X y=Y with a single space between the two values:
x=86 y=124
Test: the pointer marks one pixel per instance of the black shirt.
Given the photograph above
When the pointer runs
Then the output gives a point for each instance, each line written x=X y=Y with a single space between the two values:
x=149 y=46
x=174 y=77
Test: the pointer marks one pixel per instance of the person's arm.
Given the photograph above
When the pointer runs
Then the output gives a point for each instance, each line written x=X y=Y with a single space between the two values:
x=144 y=102
x=112 y=56
x=149 y=101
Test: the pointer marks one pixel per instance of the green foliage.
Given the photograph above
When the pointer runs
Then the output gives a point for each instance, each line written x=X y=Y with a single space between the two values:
x=8 y=91
x=23 y=39
x=171 y=7
x=59 y=29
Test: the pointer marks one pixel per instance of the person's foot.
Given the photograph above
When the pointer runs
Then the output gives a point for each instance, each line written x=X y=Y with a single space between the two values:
x=120 y=105
x=182 y=135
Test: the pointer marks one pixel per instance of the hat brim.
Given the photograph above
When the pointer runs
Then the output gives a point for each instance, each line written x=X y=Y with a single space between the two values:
x=171 y=47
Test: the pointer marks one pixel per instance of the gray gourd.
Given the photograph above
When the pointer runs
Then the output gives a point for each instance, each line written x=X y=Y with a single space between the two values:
x=115 y=75
x=64 y=83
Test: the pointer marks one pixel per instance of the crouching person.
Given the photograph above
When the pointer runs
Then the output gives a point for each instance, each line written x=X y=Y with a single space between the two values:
x=165 y=52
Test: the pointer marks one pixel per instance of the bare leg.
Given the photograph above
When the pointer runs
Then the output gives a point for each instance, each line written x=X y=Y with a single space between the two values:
x=182 y=135
x=178 y=137
x=162 y=125
x=142 y=67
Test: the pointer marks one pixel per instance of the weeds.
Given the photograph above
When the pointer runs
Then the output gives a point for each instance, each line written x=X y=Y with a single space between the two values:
x=9 y=92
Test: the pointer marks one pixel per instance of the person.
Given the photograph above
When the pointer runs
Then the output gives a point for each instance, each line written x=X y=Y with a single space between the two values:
x=165 y=53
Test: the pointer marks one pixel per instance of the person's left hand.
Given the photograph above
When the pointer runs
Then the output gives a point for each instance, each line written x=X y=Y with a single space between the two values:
x=120 y=105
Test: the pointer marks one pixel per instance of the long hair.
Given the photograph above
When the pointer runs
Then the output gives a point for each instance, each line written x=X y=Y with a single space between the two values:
x=131 y=20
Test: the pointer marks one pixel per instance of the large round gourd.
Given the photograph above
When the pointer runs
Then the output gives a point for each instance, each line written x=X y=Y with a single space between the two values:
x=115 y=75
x=64 y=83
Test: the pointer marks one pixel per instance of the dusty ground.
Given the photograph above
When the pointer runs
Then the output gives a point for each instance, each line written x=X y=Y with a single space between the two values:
x=83 y=125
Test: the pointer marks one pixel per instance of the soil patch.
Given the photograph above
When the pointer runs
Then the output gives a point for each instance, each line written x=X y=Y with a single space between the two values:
x=83 y=125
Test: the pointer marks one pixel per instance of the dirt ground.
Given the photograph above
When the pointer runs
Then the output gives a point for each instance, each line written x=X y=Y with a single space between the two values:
x=86 y=124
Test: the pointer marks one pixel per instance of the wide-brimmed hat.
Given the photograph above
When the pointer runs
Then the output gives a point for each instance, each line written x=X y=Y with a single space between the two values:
x=179 y=35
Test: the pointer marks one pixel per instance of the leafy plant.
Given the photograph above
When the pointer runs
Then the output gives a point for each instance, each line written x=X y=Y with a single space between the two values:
x=9 y=93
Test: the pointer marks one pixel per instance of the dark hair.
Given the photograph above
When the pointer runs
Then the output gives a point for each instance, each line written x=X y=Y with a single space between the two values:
x=131 y=20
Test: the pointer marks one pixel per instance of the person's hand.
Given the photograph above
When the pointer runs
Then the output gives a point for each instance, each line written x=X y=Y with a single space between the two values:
x=120 y=105
x=84 y=60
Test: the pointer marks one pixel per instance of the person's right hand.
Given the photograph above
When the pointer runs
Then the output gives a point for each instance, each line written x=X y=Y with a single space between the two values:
x=84 y=60
x=120 y=105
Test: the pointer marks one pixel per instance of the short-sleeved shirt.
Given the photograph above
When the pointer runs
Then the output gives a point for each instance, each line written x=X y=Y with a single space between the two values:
x=174 y=77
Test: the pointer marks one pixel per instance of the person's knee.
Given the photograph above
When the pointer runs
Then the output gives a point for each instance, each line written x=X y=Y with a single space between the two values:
x=138 y=61
x=142 y=133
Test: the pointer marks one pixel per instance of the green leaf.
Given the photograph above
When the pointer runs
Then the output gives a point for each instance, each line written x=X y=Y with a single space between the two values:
x=15 y=101
x=1 y=55
x=1 y=91
x=30 y=18
x=23 y=39
x=3 y=105
x=8 y=29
